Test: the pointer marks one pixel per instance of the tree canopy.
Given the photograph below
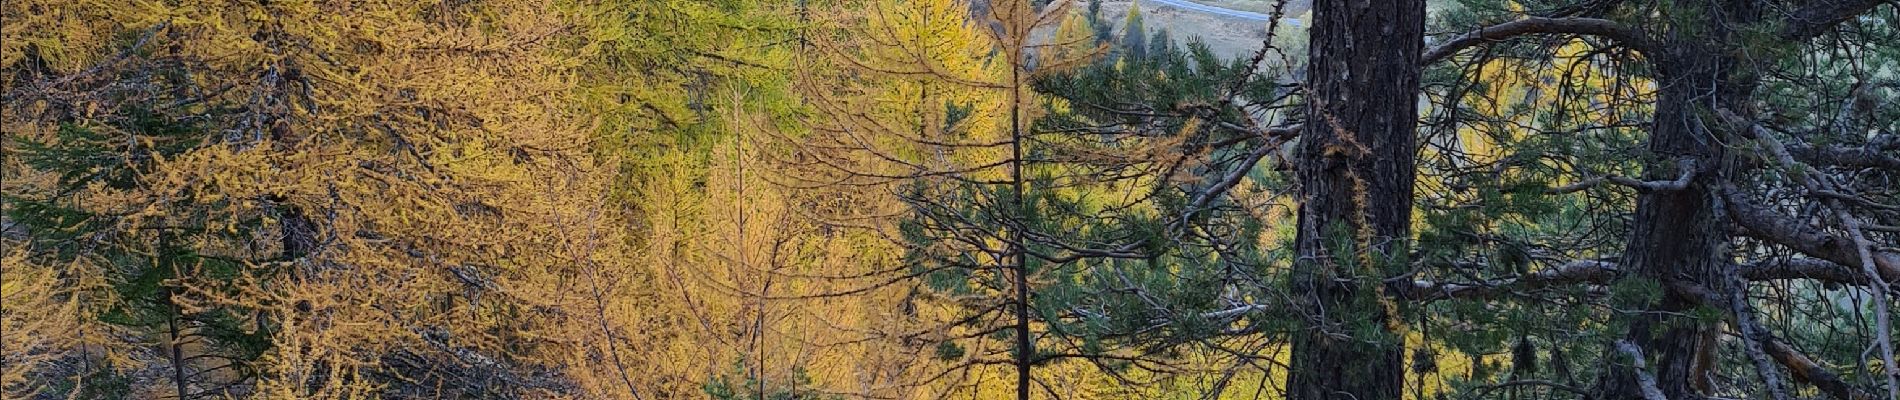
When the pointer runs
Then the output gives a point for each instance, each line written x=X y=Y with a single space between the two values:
x=925 y=199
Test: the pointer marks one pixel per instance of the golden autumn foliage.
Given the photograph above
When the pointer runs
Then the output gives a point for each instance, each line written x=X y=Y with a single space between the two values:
x=800 y=199
x=439 y=193
x=422 y=152
x=435 y=195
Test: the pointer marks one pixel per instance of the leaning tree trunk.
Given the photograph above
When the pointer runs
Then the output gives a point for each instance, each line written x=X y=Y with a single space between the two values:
x=1355 y=172
x=1677 y=237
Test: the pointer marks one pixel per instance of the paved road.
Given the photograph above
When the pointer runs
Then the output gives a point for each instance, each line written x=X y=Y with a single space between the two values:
x=1225 y=12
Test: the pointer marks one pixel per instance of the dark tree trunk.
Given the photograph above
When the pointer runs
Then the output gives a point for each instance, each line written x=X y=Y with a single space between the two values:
x=1356 y=167
x=1678 y=237
x=177 y=345
x=1025 y=346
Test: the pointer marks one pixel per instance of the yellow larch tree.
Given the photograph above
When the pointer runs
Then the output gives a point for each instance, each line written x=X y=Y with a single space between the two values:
x=416 y=166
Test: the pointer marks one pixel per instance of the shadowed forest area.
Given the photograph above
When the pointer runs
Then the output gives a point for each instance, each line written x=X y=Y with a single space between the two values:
x=949 y=199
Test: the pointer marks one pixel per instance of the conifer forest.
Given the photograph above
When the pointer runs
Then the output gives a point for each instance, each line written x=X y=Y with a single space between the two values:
x=950 y=199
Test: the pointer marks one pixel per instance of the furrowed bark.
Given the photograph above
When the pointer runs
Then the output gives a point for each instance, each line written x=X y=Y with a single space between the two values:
x=1356 y=174
x=1679 y=235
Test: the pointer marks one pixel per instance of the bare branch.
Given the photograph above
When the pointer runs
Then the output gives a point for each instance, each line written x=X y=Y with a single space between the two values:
x=1580 y=271
x=1688 y=167
x=1643 y=377
x=1275 y=136
x=1754 y=335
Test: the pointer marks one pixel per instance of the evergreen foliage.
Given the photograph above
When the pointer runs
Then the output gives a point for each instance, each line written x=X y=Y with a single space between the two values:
x=922 y=199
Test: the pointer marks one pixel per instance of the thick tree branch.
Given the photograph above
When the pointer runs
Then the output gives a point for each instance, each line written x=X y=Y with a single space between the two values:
x=1883 y=333
x=1687 y=166
x=1600 y=272
x=1840 y=156
x=1803 y=367
x=1806 y=370
x=1580 y=271
x=1803 y=24
x=1237 y=311
x=1643 y=377
x=1878 y=267
x=1624 y=35
x=1803 y=268
x=1823 y=15
x=1754 y=335
x=1761 y=223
